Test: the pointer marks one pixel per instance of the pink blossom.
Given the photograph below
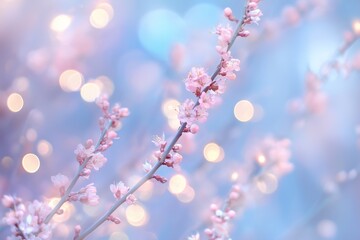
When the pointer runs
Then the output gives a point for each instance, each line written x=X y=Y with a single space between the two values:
x=87 y=195
x=119 y=189
x=117 y=114
x=201 y=113
x=228 y=67
x=104 y=105
x=194 y=128
x=253 y=14
x=229 y=14
x=197 y=80
x=82 y=153
x=177 y=147
x=206 y=100
x=186 y=112
x=29 y=220
x=225 y=34
x=177 y=158
x=61 y=182
x=9 y=201
x=97 y=161
x=224 y=37
x=77 y=230
x=160 y=142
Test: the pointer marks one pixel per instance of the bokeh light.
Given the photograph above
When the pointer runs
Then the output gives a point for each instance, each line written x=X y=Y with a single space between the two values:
x=261 y=159
x=177 y=184
x=44 y=148
x=91 y=211
x=60 y=23
x=326 y=229
x=187 y=195
x=31 y=134
x=90 y=92
x=21 y=84
x=15 y=102
x=136 y=215
x=234 y=176
x=6 y=161
x=170 y=108
x=213 y=152
x=356 y=26
x=71 y=80
x=145 y=191
x=31 y=163
x=67 y=208
x=105 y=85
x=244 y=111
x=99 y=18
x=62 y=230
x=267 y=183
x=159 y=30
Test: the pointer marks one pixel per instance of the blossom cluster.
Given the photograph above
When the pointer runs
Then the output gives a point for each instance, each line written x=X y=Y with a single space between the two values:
x=27 y=220
x=271 y=159
x=221 y=217
x=32 y=221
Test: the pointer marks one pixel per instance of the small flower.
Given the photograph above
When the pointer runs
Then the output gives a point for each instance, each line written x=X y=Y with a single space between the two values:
x=160 y=141
x=61 y=182
x=229 y=14
x=82 y=153
x=253 y=14
x=87 y=195
x=197 y=80
x=206 y=100
x=186 y=112
x=96 y=161
x=9 y=201
x=119 y=189
x=228 y=67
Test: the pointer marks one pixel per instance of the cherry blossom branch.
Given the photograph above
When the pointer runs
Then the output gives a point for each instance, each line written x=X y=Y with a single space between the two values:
x=225 y=68
x=64 y=198
x=147 y=177
x=271 y=160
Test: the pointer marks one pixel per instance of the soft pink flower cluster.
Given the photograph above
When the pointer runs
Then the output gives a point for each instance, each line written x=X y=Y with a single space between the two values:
x=274 y=156
x=172 y=159
x=252 y=12
x=119 y=190
x=86 y=195
x=221 y=216
x=32 y=221
x=315 y=99
x=27 y=220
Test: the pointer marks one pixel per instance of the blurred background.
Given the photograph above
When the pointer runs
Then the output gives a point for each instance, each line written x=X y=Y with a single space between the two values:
x=57 y=57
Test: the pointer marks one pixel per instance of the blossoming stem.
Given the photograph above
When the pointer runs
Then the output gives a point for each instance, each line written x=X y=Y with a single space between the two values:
x=239 y=28
x=76 y=177
x=151 y=173
x=135 y=187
